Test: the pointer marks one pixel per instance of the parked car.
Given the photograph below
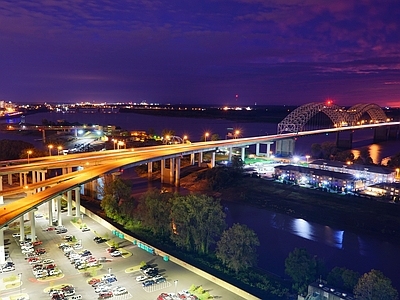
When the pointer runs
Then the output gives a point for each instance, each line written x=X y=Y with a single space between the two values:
x=160 y=280
x=105 y=295
x=111 y=249
x=37 y=243
x=93 y=281
x=85 y=229
x=8 y=268
x=27 y=250
x=48 y=261
x=101 y=240
x=119 y=290
x=40 y=251
x=16 y=235
x=116 y=253
x=141 y=278
x=63 y=230
x=147 y=283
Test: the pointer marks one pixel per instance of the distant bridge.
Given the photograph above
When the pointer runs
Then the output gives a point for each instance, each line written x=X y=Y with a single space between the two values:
x=297 y=119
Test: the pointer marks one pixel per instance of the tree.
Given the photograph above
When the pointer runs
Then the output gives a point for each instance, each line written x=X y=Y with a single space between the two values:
x=237 y=247
x=11 y=149
x=375 y=286
x=115 y=192
x=301 y=268
x=154 y=210
x=197 y=221
x=343 y=278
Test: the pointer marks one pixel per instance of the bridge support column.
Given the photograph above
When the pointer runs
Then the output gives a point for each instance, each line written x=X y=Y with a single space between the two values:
x=2 y=249
x=242 y=153
x=50 y=208
x=42 y=177
x=269 y=149
x=213 y=159
x=149 y=170
x=344 y=143
x=69 y=203
x=285 y=147
x=77 y=202
x=1 y=188
x=9 y=179
x=258 y=149
x=177 y=171
x=33 y=225
x=192 y=159
x=162 y=163
x=59 y=211
x=381 y=134
x=230 y=154
x=171 y=170
x=200 y=159
x=22 y=228
x=33 y=176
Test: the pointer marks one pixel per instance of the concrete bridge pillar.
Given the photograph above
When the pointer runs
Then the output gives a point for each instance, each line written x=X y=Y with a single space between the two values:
x=33 y=176
x=230 y=154
x=162 y=163
x=149 y=170
x=213 y=159
x=21 y=228
x=69 y=203
x=171 y=170
x=33 y=225
x=192 y=159
x=50 y=208
x=77 y=202
x=9 y=179
x=269 y=149
x=1 y=188
x=343 y=142
x=243 y=153
x=59 y=210
x=2 y=249
x=177 y=171
x=200 y=159
x=285 y=147
x=258 y=149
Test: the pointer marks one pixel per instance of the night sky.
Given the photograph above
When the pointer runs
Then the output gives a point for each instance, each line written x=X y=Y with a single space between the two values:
x=200 y=52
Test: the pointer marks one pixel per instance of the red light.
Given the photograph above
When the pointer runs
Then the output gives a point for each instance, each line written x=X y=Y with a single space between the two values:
x=329 y=102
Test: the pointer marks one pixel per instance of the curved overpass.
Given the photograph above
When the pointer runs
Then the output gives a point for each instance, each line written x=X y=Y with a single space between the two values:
x=99 y=163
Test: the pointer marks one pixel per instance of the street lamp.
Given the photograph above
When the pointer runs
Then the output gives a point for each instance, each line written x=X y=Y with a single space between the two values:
x=50 y=147
x=185 y=137
x=206 y=136
x=59 y=148
x=237 y=132
x=307 y=157
x=176 y=286
x=29 y=152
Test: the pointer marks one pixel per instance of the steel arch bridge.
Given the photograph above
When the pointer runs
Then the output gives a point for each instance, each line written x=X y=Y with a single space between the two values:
x=297 y=119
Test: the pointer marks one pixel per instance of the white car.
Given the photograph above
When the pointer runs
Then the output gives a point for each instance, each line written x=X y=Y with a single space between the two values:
x=54 y=272
x=119 y=290
x=15 y=235
x=141 y=278
x=48 y=261
x=25 y=251
x=8 y=269
x=116 y=253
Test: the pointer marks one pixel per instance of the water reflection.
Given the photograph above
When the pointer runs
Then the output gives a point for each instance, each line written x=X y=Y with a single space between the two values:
x=374 y=153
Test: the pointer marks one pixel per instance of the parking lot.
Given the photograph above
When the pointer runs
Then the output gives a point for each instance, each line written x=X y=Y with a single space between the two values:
x=82 y=259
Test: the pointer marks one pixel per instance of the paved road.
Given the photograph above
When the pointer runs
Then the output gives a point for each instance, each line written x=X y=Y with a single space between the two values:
x=118 y=266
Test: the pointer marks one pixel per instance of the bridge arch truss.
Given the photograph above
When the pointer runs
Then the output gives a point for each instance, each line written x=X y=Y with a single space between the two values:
x=297 y=119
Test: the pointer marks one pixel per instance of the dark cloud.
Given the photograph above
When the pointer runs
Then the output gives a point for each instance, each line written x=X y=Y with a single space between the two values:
x=268 y=52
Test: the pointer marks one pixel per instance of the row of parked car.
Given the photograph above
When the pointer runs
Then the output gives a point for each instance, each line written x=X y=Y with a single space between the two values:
x=42 y=268
x=104 y=287
x=150 y=276
x=66 y=292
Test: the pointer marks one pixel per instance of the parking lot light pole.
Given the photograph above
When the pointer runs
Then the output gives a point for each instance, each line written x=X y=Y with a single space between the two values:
x=109 y=270
x=176 y=286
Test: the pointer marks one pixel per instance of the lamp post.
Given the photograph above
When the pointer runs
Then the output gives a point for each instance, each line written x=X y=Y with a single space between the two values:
x=206 y=136
x=115 y=142
x=307 y=157
x=237 y=132
x=176 y=286
x=59 y=149
x=397 y=172
x=50 y=147
x=109 y=270
x=29 y=152
x=185 y=139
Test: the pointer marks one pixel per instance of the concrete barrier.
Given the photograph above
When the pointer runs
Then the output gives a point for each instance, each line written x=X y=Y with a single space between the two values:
x=173 y=259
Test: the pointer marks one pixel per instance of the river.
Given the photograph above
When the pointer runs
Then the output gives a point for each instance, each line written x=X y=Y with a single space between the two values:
x=279 y=234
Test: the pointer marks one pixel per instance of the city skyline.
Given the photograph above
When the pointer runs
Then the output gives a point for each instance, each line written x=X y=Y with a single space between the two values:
x=208 y=52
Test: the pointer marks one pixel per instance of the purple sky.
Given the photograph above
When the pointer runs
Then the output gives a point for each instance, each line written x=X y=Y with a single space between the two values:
x=180 y=51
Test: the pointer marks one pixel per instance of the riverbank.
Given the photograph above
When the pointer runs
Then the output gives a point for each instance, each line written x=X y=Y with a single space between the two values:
x=360 y=215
